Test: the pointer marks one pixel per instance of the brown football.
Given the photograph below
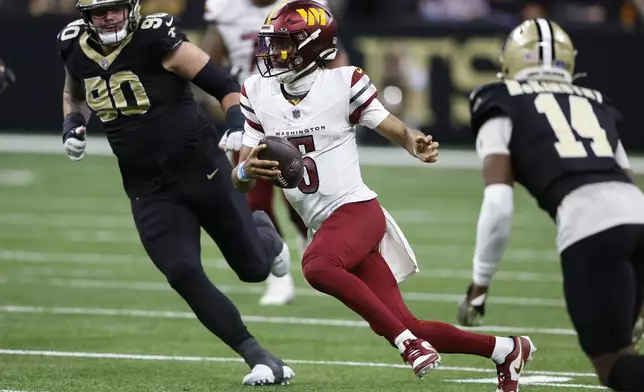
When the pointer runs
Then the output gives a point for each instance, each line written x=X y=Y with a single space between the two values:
x=289 y=158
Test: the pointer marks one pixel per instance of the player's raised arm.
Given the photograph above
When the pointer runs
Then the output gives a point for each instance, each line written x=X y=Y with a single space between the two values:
x=189 y=62
x=77 y=114
x=415 y=142
x=365 y=109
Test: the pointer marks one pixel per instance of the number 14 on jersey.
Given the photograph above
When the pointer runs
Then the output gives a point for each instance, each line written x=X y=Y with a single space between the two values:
x=582 y=119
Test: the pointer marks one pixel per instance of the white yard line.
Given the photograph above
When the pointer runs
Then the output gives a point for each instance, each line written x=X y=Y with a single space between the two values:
x=23 y=256
x=254 y=319
x=143 y=357
x=161 y=286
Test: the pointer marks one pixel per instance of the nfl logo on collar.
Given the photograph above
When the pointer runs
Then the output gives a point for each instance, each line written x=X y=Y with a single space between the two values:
x=296 y=113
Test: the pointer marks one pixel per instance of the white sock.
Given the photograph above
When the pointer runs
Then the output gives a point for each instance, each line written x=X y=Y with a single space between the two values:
x=483 y=271
x=502 y=348
x=405 y=335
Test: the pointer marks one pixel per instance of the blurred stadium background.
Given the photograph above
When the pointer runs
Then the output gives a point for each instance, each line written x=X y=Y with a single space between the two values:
x=82 y=309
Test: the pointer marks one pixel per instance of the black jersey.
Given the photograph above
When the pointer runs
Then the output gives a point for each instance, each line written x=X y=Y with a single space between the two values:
x=563 y=136
x=151 y=119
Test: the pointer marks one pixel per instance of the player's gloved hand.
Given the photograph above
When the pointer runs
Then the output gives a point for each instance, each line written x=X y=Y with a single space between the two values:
x=75 y=143
x=426 y=148
x=255 y=168
x=232 y=140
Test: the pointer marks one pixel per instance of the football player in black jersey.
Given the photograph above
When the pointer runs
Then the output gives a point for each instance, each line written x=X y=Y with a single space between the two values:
x=561 y=142
x=134 y=74
x=7 y=76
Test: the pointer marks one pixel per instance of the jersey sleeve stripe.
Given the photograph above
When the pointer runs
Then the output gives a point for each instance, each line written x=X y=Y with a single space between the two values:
x=364 y=96
x=362 y=91
x=357 y=75
x=246 y=108
x=254 y=125
x=354 y=116
x=251 y=116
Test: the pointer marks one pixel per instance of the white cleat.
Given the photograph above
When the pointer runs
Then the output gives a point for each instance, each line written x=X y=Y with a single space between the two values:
x=262 y=375
x=282 y=263
x=279 y=291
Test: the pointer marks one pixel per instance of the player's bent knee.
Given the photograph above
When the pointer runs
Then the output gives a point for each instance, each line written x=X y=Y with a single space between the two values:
x=253 y=272
x=181 y=271
x=254 y=275
x=315 y=268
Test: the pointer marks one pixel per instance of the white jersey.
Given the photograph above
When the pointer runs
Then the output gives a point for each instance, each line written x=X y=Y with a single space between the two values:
x=588 y=209
x=238 y=22
x=322 y=125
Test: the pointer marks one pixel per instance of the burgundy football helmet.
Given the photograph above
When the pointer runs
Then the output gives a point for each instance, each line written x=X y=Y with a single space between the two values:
x=297 y=36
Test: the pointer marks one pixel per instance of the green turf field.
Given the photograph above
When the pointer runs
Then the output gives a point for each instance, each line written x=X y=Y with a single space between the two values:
x=82 y=309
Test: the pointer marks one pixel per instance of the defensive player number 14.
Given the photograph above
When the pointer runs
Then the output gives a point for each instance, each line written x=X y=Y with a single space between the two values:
x=582 y=119
x=311 y=181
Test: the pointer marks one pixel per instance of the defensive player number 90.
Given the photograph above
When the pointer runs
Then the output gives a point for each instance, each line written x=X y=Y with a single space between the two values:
x=98 y=93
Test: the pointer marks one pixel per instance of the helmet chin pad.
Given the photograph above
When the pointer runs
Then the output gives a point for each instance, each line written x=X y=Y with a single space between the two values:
x=113 y=37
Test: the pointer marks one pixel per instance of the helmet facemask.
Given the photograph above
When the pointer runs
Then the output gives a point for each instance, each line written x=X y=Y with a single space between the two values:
x=288 y=55
x=277 y=55
x=112 y=34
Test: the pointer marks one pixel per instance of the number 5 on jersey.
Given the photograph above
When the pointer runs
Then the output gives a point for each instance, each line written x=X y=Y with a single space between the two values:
x=311 y=181
x=582 y=119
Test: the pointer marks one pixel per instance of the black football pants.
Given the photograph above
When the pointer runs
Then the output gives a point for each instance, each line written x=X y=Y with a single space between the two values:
x=169 y=223
x=603 y=279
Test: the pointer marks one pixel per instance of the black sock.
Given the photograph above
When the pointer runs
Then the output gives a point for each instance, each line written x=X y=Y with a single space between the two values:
x=215 y=311
x=627 y=374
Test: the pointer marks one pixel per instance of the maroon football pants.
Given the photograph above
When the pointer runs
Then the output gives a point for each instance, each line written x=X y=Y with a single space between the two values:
x=343 y=261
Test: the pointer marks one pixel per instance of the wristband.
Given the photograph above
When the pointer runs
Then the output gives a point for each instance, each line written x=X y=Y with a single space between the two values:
x=241 y=174
x=71 y=122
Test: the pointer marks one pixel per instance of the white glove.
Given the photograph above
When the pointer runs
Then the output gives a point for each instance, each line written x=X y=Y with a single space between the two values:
x=231 y=140
x=75 y=144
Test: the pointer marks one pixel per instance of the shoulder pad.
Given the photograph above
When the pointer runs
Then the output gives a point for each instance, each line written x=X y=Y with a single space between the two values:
x=249 y=86
x=68 y=35
x=215 y=9
x=488 y=101
x=162 y=32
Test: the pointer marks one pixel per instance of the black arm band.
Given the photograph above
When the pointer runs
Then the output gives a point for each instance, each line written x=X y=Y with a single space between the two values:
x=234 y=118
x=216 y=81
x=72 y=121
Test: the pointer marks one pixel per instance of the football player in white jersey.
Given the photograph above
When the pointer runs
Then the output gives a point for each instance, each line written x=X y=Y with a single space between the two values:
x=357 y=253
x=232 y=34
x=536 y=127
